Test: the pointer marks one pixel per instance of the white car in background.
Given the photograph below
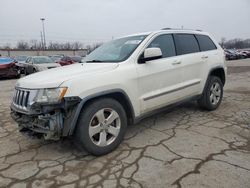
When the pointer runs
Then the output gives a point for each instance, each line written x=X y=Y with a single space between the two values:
x=38 y=63
x=120 y=83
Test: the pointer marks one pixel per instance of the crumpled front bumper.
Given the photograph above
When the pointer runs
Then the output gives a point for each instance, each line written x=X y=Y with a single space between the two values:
x=49 y=125
x=49 y=121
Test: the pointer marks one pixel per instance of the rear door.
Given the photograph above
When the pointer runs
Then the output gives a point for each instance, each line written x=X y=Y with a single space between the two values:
x=30 y=66
x=209 y=54
x=192 y=61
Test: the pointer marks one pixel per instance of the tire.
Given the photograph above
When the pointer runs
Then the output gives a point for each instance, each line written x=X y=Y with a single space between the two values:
x=18 y=74
x=92 y=130
x=25 y=72
x=211 y=97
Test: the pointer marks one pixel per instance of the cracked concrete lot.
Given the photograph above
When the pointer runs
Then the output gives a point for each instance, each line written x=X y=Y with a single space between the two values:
x=183 y=147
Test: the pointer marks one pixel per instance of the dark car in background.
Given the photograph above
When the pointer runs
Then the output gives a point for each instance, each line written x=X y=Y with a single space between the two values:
x=233 y=54
x=241 y=54
x=21 y=62
x=76 y=59
x=247 y=53
x=56 y=58
x=8 y=68
x=230 y=55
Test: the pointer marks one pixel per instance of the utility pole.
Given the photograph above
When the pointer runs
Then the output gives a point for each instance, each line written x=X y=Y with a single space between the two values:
x=44 y=40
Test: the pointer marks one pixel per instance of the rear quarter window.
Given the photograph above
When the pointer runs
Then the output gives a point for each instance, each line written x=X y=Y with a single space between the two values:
x=186 y=44
x=205 y=43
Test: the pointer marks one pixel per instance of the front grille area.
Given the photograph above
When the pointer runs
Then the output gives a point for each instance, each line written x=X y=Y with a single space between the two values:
x=21 y=98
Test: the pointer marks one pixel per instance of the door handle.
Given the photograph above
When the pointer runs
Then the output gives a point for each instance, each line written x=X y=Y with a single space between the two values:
x=176 y=63
x=204 y=57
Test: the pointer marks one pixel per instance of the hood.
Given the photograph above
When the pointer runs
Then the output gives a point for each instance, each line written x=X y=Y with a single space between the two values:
x=45 y=66
x=55 y=77
x=6 y=63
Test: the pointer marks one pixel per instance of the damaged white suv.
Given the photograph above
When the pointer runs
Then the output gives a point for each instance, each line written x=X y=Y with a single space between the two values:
x=118 y=84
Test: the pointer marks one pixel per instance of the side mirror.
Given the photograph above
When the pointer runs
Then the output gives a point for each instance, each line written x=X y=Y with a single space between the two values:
x=150 y=54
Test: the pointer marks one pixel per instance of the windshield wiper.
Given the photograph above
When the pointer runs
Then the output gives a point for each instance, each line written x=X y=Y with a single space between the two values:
x=94 y=61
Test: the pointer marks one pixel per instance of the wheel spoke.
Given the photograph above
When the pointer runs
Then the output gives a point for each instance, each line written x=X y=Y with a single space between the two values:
x=112 y=117
x=216 y=86
x=100 y=116
x=113 y=130
x=93 y=130
x=214 y=99
x=211 y=97
x=217 y=93
x=103 y=139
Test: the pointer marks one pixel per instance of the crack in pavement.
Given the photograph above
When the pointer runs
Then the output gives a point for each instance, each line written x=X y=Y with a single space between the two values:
x=172 y=149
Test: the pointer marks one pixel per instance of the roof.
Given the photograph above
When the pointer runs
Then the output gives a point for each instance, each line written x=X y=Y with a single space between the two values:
x=168 y=30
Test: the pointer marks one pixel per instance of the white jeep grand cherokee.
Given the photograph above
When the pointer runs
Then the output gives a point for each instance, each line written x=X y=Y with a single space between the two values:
x=118 y=84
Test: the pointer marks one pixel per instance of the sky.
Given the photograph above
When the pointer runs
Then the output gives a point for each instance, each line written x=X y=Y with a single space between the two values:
x=92 y=21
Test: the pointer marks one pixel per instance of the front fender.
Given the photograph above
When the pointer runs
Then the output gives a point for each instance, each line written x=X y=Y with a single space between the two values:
x=69 y=126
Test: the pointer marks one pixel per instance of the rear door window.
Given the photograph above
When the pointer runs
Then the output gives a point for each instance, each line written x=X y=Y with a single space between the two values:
x=205 y=43
x=186 y=44
x=165 y=43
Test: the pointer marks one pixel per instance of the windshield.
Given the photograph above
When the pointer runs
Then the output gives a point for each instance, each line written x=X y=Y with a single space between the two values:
x=76 y=58
x=56 y=58
x=21 y=58
x=115 y=51
x=5 y=60
x=39 y=60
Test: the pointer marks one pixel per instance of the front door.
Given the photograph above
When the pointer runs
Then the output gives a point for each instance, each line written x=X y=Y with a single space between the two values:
x=159 y=80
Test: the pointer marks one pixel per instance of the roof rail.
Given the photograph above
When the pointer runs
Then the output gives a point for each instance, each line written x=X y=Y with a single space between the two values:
x=168 y=28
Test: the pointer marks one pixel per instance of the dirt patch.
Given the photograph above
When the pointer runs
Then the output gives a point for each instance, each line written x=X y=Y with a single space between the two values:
x=239 y=69
x=243 y=92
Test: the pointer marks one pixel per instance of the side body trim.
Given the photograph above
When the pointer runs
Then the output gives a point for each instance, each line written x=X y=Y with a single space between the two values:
x=171 y=91
x=166 y=108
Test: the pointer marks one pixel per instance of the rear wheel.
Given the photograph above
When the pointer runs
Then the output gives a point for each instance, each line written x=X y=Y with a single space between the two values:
x=101 y=126
x=212 y=94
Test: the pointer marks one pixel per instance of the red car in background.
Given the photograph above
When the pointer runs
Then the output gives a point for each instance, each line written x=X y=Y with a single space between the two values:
x=8 y=68
x=66 y=60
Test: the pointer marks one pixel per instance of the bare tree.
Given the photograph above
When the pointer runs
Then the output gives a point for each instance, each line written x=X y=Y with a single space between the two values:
x=53 y=46
x=76 y=45
x=222 y=42
x=237 y=43
x=92 y=47
x=22 y=45
x=35 y=45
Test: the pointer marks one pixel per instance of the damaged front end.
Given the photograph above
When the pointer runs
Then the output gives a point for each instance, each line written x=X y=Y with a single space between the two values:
x=48 y=126
x=49 y=120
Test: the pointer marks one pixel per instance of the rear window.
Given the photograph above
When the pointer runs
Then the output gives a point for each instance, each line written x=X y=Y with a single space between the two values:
x=186 y=44
x=205 y=43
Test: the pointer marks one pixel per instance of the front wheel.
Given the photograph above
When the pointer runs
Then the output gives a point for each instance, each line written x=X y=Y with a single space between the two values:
x=26 y=72
x=101 y=126
x=212 y=94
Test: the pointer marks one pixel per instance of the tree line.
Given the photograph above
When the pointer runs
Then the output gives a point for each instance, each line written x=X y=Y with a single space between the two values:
x=235 y=43
x=37 y=45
